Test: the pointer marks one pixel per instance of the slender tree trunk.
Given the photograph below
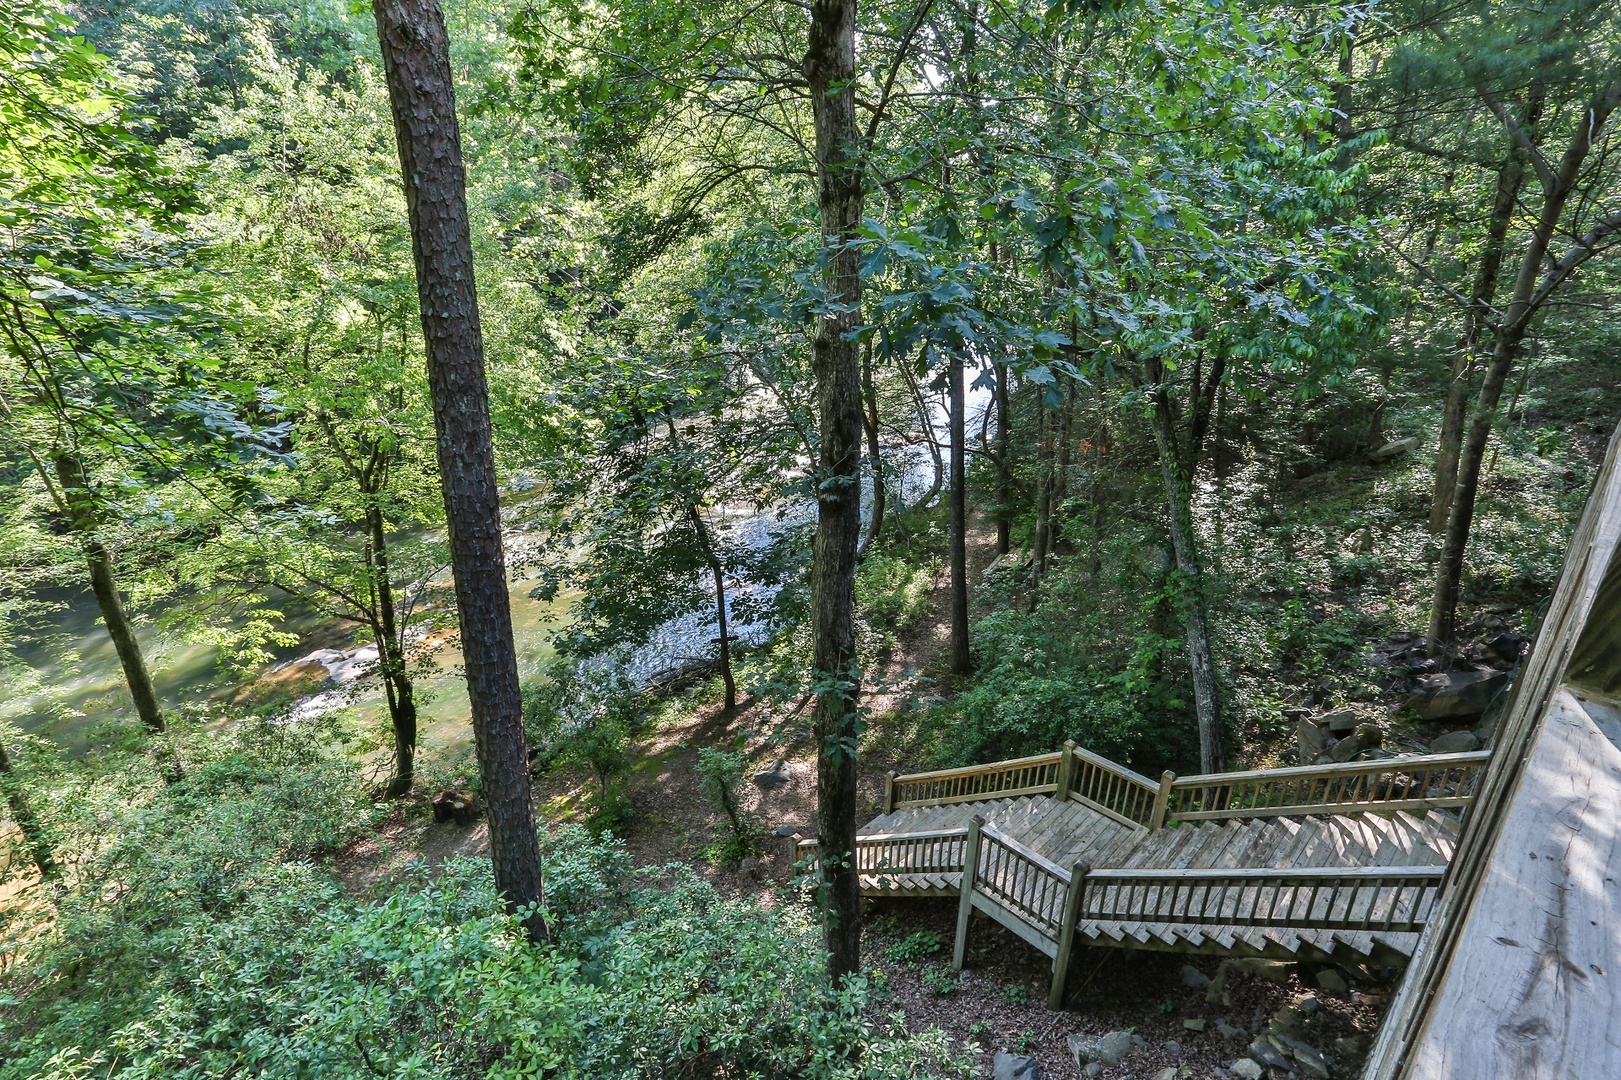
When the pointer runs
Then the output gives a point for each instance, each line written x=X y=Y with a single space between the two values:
x=707 y=546
x=1044 y=491
x=1477 y=324
x=1508 y=340
x=1184 y=546
x=869 y=418
x=83 y=519
x=1004 y=480
x=39 y=845
x=830 y=68
x=416 y=65
x=401 y=693
x=926 y=424
x=1061 y=462
x=961 y=659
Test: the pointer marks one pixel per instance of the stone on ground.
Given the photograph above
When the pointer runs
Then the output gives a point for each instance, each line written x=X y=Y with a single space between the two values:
x=1015 y=1067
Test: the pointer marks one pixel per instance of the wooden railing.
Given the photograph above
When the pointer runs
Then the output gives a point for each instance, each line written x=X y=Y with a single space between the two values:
x=1001 y=780
x=1115 y=790
x=1021 y=882
x=1434 y=782
x=1386 y=899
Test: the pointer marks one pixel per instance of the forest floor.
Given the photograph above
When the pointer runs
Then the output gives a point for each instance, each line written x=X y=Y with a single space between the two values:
x=999 y=1001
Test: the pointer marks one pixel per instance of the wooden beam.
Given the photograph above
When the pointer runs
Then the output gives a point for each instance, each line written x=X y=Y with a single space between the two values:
x=1162 y=800
x=965 y=905
x=1066 y=934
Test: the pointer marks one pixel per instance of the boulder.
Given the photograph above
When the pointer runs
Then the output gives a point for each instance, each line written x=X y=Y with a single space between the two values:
x=775 y=777
x=1393 y=450
x=1247 y=1068
x=1463 y=694
x=1365 y=737
x=785 y=831
x=1267 y=1054
x=1454 y=742
x=1506 y=646
x=1193 y=978
x=1311 y=737
x=1332 y=981
x=1015 y=1067
x=458 y=806
x=1340 y=721
x=1309 y=1058
x=1167 y=1073
x=1227 y=1031
x=1106 y=1050
x=1092 y=1070
x=1193 y=1023
x=1271 y=970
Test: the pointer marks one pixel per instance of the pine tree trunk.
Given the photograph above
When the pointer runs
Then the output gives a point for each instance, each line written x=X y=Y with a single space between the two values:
x=869 y=419
x=1184 y=546
x=961 y=659
x=39 y=845
x=830 y=68
x=401 y=693
x=416 y=65
x=1477 y=321
x=83 y=520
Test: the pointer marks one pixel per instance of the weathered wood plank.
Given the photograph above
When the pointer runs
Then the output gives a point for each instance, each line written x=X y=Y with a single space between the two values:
x=1545 y=923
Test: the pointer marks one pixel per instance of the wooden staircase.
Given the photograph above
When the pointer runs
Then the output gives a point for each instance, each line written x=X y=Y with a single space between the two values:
x=1310 y=863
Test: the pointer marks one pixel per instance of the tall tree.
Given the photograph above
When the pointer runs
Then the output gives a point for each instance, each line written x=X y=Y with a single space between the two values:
x=830 y=68
x=416 y=65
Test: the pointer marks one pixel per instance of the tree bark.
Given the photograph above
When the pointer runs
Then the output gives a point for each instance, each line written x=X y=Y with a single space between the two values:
x=1176 y=475
x=397 y=685
x=39 y=845
x=83 y=519
x=869 y=419
x=1044 y=490
x=830 y=69
x=1004 y=440
x=961 y=659
x=1477 y=323
x=416 y=65
x=1508 y=339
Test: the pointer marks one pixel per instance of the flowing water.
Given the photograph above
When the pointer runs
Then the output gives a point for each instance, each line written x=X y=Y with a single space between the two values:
x=77 y=681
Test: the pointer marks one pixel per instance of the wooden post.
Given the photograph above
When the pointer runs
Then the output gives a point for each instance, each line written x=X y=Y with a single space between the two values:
x=1162 y=800
x=1066 y=771
x=889 y=791
x=1066 y=933
x=965 y=902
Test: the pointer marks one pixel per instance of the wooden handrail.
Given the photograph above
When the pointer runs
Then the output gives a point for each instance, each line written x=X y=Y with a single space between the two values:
x=1427 y=782
x=1386 y=899
x=1034 y=775
x=1128 y=797
x=972 y=770
x=1472 y=757
x=1115 y=767
x=1252 y=873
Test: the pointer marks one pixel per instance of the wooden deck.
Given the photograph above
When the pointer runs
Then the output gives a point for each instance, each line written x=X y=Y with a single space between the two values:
x=1515 y=975
x=1309 y=863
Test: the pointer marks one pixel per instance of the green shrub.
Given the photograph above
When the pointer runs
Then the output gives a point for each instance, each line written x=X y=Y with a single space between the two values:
x=587 y=717
x=720 y=779
x=892 y=593
x=204 y=934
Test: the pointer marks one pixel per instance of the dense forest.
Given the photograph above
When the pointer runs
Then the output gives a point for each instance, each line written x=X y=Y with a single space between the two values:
x=478 y=481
